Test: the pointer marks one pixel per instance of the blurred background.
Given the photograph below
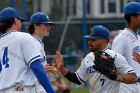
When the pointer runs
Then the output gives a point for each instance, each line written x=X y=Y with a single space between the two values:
x=74 y=19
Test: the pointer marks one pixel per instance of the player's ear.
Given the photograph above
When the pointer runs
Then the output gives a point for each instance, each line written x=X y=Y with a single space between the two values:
x=36 y=26
x=16 y=21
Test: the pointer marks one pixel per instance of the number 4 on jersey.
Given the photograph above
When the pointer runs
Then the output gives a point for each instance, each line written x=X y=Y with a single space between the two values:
x=5 y=59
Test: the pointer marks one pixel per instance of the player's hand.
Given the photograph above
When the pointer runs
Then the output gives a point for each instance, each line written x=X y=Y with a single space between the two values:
x=51 y=69
x=60 y=63
x=136 y=56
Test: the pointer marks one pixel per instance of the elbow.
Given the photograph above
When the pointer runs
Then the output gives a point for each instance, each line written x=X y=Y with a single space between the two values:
x=133 y=80
x=130 y=79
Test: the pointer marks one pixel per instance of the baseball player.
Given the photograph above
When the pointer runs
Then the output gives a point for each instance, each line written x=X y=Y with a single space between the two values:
x=128 y=41
x=40 y=26
x=98 y=40
x=20 y=60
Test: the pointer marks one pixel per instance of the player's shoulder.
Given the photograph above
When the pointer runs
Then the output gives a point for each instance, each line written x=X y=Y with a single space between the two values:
x=111 y=53
x=114 y=54
x=23 y=35
x=90 y=56
x=121 y=35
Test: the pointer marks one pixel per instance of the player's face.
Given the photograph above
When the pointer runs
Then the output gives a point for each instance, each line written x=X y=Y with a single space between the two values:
x=45 y=29
x=136 y=21
x=94 y=45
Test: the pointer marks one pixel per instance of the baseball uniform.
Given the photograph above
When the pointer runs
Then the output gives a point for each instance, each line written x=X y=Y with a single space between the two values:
x=98 y=82
x=15 y=58
x=126 y=43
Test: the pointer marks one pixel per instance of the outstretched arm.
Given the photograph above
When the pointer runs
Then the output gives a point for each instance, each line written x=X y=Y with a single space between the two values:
x=41 y=75
x=127 y=78
x=64 y=71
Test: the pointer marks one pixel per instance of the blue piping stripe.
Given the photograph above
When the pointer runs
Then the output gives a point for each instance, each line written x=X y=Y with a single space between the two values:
x=131 y=71
x=34 y=58
x=39 y=41
x=7 y=33
x=136 y=35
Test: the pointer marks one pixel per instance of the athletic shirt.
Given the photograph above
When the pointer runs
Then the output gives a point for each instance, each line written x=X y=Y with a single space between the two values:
x=126 y=43
x=18 y=51
x=98 y=82
x=40 y=46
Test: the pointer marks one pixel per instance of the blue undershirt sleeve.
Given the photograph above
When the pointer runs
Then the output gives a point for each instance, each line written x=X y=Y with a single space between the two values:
x=41 y=75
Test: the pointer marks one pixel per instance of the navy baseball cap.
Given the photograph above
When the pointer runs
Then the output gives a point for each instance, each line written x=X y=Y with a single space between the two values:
x=98 y=32
x=9 y=13
x=40 y=18
x=132 y=8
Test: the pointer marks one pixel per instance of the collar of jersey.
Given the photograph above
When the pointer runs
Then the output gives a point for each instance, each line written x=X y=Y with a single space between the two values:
x=105 y=49
x=39 y=41
x=8 y=33
x=135 y=34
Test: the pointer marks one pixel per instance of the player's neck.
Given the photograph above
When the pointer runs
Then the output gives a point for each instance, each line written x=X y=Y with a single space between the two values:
x=12 y=28
x=103 y=46
x=38 y=36
x=134 y=29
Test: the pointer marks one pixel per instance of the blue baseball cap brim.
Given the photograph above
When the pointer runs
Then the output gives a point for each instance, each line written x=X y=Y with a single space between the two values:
x=23 y=19
x=50 y=23
x=9 y=13
x=95 y=37
x=3 y=18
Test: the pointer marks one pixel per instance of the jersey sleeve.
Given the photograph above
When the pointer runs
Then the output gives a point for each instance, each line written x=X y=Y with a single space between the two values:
x=29 y=50
x=86 y=66
x=118 y=44
x=122 y=65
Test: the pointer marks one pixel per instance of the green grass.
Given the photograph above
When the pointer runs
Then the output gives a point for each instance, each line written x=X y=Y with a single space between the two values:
x=80 y=90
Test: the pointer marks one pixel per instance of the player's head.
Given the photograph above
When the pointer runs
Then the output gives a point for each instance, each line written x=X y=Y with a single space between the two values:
x=98 y=38
x=132 y=13
x=40 y=23
x=8 y=17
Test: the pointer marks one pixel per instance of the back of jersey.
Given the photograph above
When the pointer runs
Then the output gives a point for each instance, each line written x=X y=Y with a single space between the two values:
x=14 y=66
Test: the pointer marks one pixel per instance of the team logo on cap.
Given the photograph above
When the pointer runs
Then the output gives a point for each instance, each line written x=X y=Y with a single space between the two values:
x=92 y=32
x=47 y=18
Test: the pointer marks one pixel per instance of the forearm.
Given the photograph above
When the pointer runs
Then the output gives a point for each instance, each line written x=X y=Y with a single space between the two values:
x=127 y=78
x=41 y=75
x=70 y=76
x=64 y=71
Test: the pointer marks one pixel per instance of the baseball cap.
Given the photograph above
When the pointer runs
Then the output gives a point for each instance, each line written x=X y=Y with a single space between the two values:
x=98 y=32
x=9 y=13
x=40 y=18
x=132 y=8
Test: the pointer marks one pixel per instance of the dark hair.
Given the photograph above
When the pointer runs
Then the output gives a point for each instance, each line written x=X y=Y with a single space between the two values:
x=31 y=28
x=128 y=17
x=4 y=25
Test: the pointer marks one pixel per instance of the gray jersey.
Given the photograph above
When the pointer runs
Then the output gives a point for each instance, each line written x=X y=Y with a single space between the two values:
x=98 y=82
